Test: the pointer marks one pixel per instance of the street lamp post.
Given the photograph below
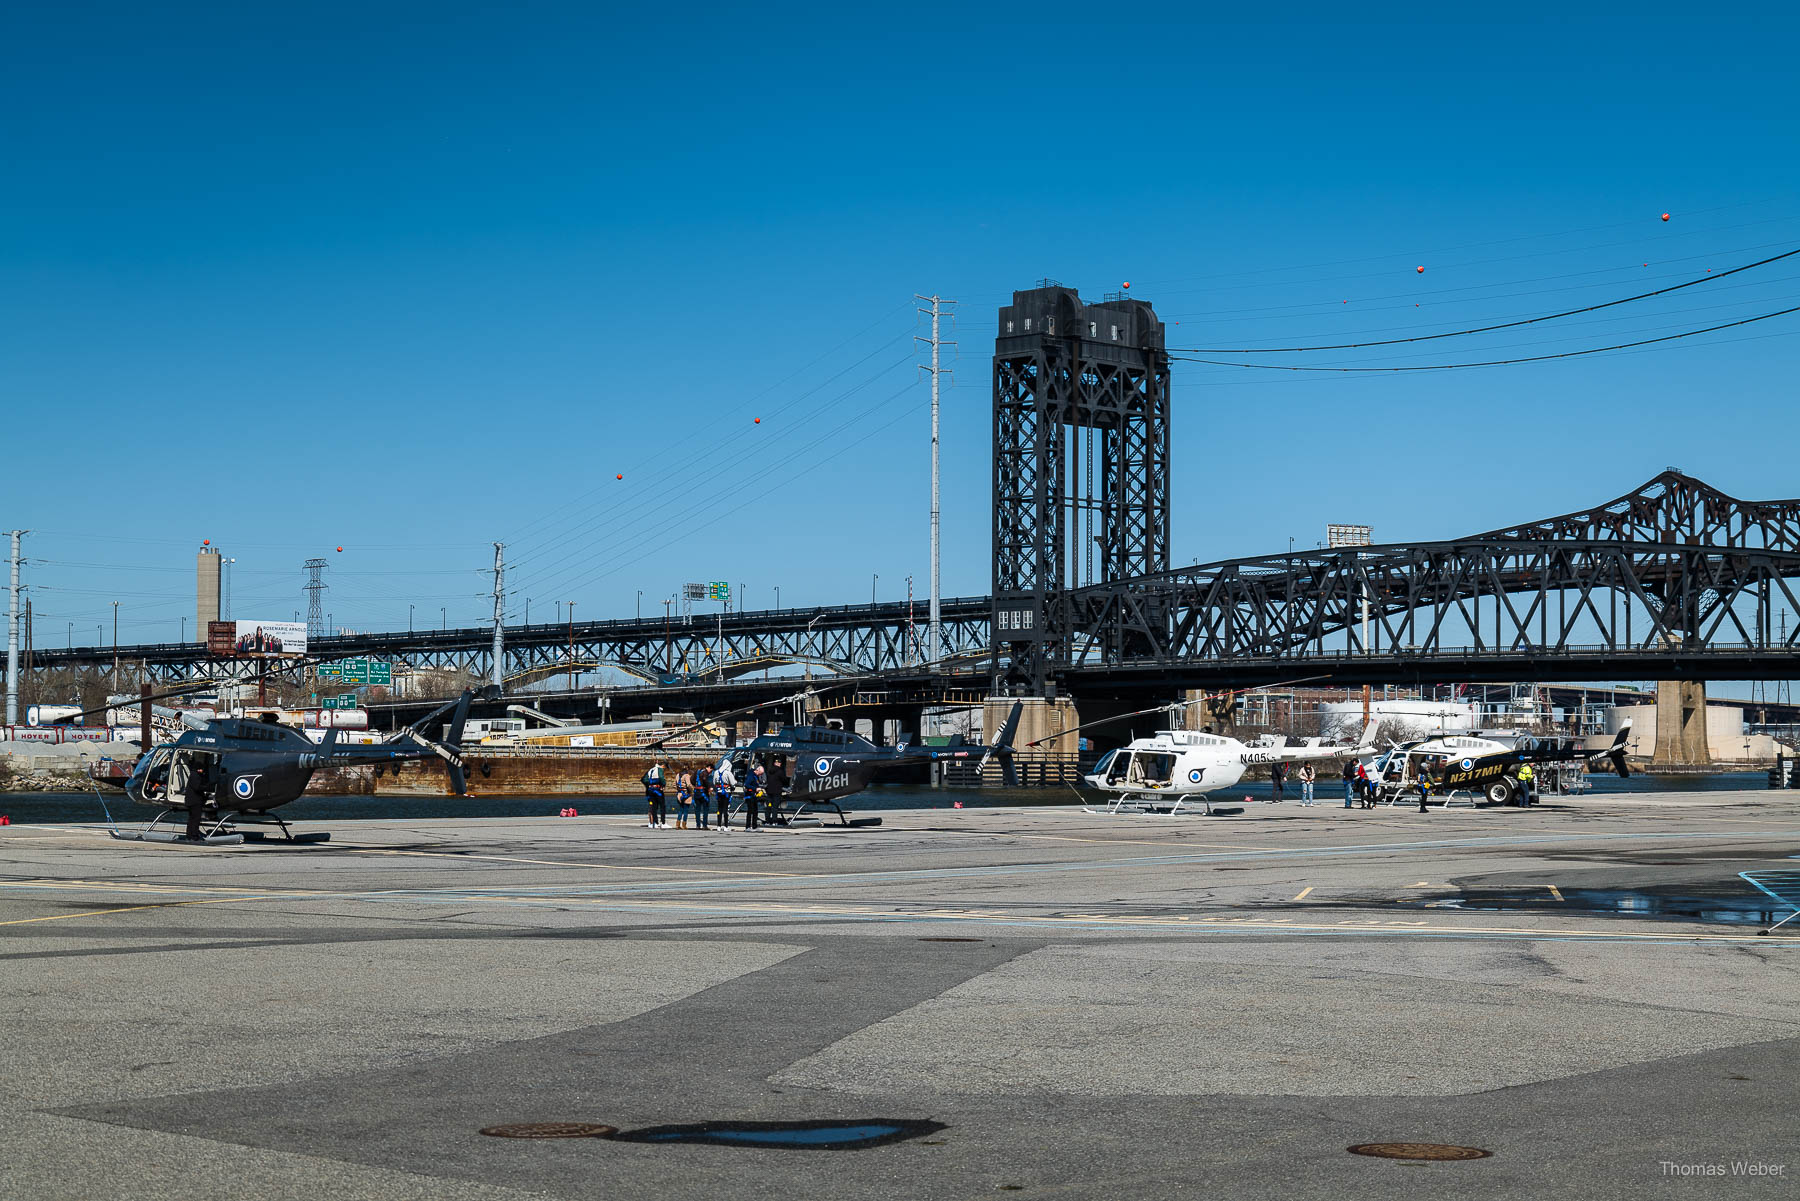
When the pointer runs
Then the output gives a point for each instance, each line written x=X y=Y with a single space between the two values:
x=778 y=597
x=873 y=580
x=409 y=615
x=528 y=610
x=443 y=619
x=640 y=603
x=571 y=646
x=70 y=633
x=115 y=606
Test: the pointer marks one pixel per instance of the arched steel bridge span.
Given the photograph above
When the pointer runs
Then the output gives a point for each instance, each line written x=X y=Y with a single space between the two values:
x=1674 y=579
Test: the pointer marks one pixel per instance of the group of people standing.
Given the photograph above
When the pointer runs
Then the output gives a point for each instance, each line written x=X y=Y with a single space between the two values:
x=706 y=790
x=1359 y=788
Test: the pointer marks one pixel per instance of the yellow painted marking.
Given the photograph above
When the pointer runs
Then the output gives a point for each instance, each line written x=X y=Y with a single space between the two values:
x=1149 y=842
x=1303 y=893
x=611 y=867
x=1554 y=891
x=1420 y=884
x=57 y=917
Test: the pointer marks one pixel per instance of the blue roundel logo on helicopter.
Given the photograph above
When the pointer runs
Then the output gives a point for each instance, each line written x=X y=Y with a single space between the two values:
x=823 y=767
x=1194 y=776
x=245 y=787
x=1467 y=764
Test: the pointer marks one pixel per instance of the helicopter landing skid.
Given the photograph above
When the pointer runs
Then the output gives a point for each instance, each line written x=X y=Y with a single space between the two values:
x=218 y=835
x=311 y=836
x=1151 y=805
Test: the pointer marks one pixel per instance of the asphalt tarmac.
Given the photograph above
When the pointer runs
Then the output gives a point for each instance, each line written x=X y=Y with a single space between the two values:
x=1069 y=1005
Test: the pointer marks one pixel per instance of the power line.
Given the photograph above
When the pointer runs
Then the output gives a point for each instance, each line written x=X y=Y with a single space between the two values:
x=1484 y=329
x=1567 y=354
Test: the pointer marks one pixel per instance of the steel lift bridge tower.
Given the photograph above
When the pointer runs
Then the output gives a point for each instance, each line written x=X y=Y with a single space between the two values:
x=1081 y=469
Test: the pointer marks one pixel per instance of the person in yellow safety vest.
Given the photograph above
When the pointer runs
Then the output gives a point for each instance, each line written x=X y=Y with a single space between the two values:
x=1525 y=774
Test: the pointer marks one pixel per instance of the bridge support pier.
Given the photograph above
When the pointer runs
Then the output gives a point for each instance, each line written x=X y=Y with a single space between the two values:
x=1680 y=723
x=1038 y=718
x=1214 y=711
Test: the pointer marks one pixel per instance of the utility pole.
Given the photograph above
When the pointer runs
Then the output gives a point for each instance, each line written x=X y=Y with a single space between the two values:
x=30 y=626
x=115 y=606
x=935 y=633
x=499 y=675
x=12 y=633
x=571 y=646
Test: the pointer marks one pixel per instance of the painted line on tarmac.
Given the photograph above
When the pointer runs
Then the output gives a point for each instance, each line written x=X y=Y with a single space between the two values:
x=865 y=913
x=1554 y=891
x=1303 y=893
x=1146 y=922
x=58 y=917
x=742 y=879
x=613 y=867
x=131 y=886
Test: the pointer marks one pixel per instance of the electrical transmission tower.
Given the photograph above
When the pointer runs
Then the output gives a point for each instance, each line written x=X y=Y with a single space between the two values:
x=315 y=598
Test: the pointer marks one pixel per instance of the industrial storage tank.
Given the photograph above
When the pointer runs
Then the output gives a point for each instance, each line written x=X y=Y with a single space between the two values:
x=1399 y=719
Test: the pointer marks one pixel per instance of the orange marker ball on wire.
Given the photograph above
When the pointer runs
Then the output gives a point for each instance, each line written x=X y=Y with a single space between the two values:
x=1421 y=270
x=756 y=421
x=340 y=550
x=1665 y=216
x=619 y=476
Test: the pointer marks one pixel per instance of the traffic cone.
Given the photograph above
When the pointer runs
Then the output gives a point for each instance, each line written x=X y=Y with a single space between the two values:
x=959 y=804
x=5 y=820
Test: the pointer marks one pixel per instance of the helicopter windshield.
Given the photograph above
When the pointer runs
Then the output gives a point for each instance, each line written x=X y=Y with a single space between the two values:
x=150 y=778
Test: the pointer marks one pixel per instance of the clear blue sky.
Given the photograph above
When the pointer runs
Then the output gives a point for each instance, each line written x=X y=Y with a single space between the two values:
x=410 y=280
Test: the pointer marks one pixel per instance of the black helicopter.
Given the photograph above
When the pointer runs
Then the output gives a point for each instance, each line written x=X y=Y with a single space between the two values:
x=812 y=765
x=256 y=766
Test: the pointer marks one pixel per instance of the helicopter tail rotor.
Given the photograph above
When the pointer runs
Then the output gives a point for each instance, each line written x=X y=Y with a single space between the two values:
x=1002 y=747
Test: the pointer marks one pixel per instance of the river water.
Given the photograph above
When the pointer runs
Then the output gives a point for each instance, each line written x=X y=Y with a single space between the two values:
x=42 y=807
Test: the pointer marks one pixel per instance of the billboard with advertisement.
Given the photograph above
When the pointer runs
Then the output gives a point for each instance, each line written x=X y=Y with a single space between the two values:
x=256 y=639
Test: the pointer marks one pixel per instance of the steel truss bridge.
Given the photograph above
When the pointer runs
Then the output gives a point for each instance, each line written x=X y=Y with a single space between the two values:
x=677 y=652
x=1674 y=579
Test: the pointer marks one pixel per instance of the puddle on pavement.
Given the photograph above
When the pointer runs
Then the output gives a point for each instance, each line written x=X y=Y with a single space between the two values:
x=1731 y=904
x=824 y=1136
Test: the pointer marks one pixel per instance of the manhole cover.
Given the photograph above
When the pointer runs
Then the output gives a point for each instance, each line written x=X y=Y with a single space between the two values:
x=552 y=1130
x=1418 y=1151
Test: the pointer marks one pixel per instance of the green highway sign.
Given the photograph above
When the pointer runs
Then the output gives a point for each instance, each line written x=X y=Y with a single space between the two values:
x=380 y=673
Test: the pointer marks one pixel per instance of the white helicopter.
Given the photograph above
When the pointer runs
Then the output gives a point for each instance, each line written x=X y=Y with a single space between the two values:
x=1164 y=772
